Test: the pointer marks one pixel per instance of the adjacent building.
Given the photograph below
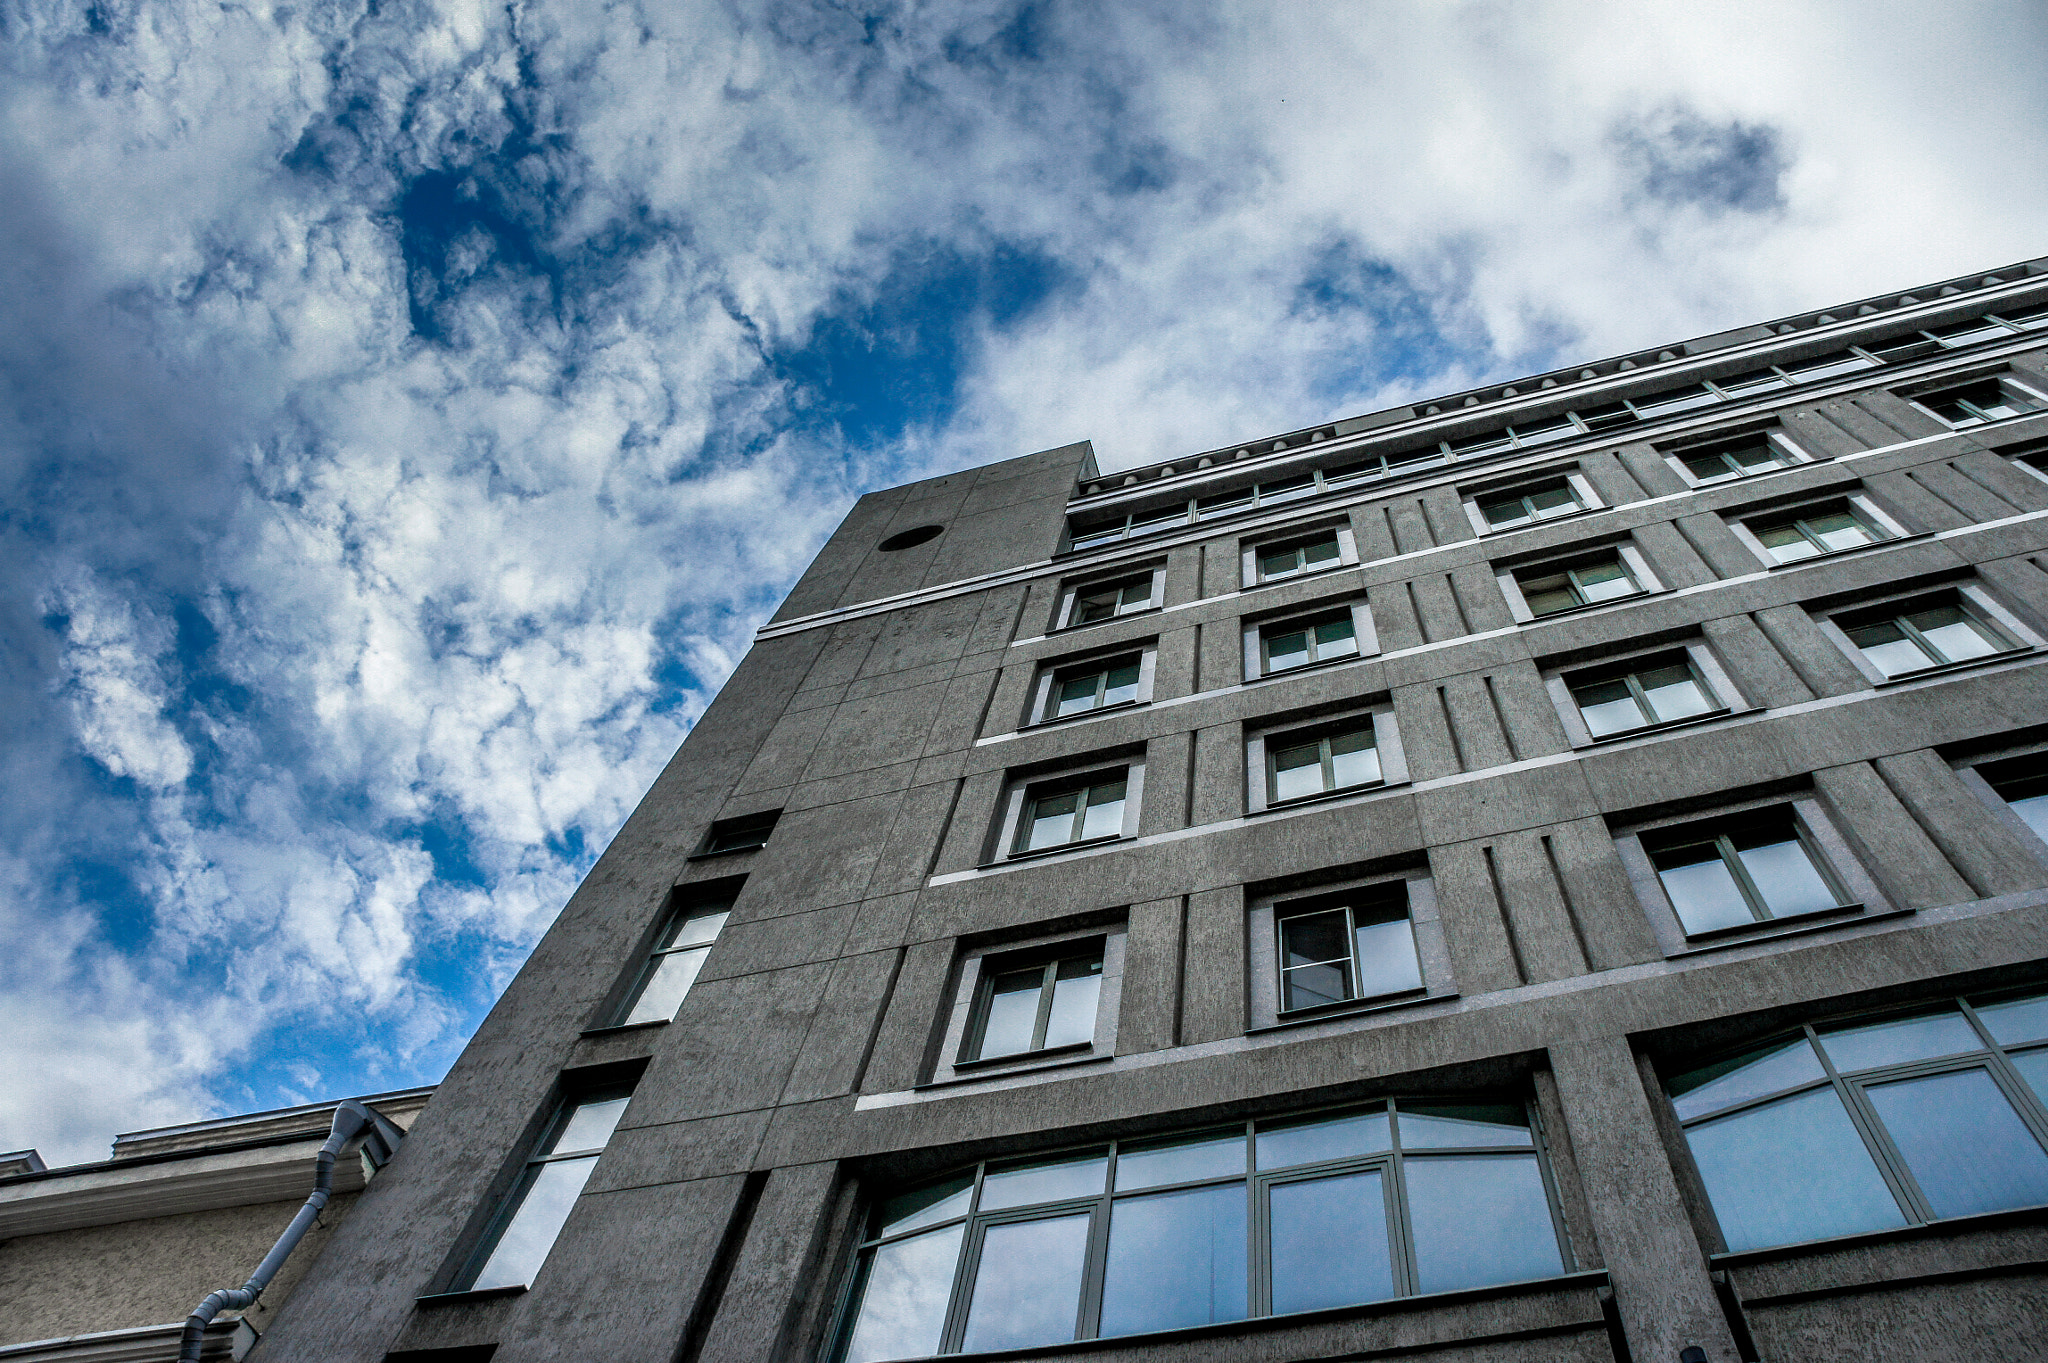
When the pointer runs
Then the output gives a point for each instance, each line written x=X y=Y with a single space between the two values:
x=1552 y=873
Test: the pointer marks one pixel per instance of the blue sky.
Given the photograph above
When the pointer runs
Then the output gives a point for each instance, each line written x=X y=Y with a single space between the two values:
x=410 y=409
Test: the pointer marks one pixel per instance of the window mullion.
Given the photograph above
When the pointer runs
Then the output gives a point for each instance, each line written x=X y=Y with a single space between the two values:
x=1329 y=764
x=1095 y=1262
x=1877 y=1142
x=1640 y=697
x=1759 y=908
x=1046 y=979
x=1925 y=644
x=2033 y=1111
x=1400 y=1230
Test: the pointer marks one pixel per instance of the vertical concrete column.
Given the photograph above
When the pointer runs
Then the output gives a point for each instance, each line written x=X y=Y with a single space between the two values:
x=1652 y=1255
x=771 y=1278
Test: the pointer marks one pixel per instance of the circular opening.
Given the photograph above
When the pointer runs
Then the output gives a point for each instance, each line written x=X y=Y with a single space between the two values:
x=909 y=539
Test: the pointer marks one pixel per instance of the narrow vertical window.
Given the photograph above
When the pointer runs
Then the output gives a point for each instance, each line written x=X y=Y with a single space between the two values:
x=673 y=964
x=548 y=1189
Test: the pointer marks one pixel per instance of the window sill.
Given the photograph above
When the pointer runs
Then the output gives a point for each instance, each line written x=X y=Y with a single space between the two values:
x=1295 y=577
x=1723 y=939
x=1058 y=1060
x=1105 y=620
x=1833 y=554
x=1024 y=1057
x=725 y=852
x=1539 y=523
x=1315 y=666
x=1592 y=606
x=1343 y=792
x=473 y=1294
x=1943 y=669
x=1036 y=853
x=1350 y=1008
x=1037 y=724
x=617 y=1028
x=1666 y=727
x=1984 y=1221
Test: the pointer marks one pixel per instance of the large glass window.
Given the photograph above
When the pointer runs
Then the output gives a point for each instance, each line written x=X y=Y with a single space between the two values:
x=1302 y=765
x=1278 y=561
x=1253 y=1219
x=1813 y=531
x=1861 y=1126
x=1738 y=460
x=1297 y=643
x=1972 y=404
x=1914 y=638
x=1734 y=873
x=1038 y=1005
x=1077 y=814
x=1359 y=945
x=1524 y=506
x=1094 y=686
x=1107 y=600
x=679 y=952
x=1661 y=691
x=547 y=1191
x=1549 y=590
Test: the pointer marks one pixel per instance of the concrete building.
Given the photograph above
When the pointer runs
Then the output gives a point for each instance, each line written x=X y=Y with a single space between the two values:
x=101 y=1263
x=1556 y=872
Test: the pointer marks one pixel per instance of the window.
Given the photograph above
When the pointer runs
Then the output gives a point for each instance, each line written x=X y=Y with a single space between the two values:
x=1106 y=600
x=1912 y=1118
x=672 y=966
x=1657 y=691
x=1299 y=766
x=1973 y=404
x=1299 y=642
x=1072 y=810
x=2022 y=784
x=740 y=835
x=1738 y=872
x=1811 y=531
x=1548 y=589
x=1359 y=945
x=548 y=1188
x=1760 y=453
x=1098 y=684
x=1512 y=508
x=1033 y=1005
x=1292 y=558
x=1253 y=1219
x=1915 y=636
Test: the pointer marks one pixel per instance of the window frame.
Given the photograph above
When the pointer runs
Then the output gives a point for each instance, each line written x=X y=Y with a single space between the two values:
x=1851 y=1091
x=976 y=967
x=742 y=824
x=1588 y=500
x=1250 y=550
x=1856 y=893
x=1698 y=654
x=684 y=904
x=1051 y=674
x=1022 y=790
x=1970 y=597
x=1072 y=591
x=1921 y=396
x=1746 y=524
x=1386 y=740
x=1264 y=911
x=1257 y=630
x=1789 y=455
x=1985 y=788
x=1624 y=552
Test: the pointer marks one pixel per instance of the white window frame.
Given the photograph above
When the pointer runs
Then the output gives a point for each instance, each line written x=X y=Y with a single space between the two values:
x=1262 y=943
x=1705 y=664
x=2004 y=378
x=1021 y=789
x=1835 y=862
x=1071 y=593
x=1631 y=559
x=1971 y=596
x=1588 y=499
x=1255 y=632
x=1250 y=549
x=1039 y=713
x=1386 y=737
x=1859 y=505
x=1790 y=455
x=978 y=961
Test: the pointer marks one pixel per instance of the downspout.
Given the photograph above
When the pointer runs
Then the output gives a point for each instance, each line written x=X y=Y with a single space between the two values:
x=349 y=1120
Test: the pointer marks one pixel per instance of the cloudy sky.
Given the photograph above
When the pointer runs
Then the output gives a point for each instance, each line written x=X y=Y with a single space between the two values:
x=408 y=409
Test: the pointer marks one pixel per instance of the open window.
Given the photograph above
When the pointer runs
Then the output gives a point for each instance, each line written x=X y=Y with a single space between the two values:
x=743 y=834
x=1346 y=947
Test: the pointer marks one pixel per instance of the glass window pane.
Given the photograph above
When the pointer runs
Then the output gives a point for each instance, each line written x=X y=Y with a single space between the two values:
x=1027 y=1289
x=1784 y=874
x=1313 y=937
x=1105 y=817
x=926 y=1206
x=1967 y=1148
x=2033 y=811
x=1543 y=432
x=590 y=1126
x=1502 y=511
x=1096 y=607
x=1287 y=489
x=1386 y=958
x=1075 y=695
x=1223 y=503
x=2017 y=1020
x=1176 y=1259
x=1703 y=891
x=903 y=1293
x=1448 y=1126
x=1351 y=473
x=1678 y=400
x=670 y=979
x=1121 y=685
x=1741 y=1078
x=1827 y=366
x=1181 y=1159
x=1137 y=594
x=1277 y=562
x=1475 y=444
x=1786 y=544
x=1674 y=692
x=2033 y=1067
x=1012 y=1012
x=1330 y=1242
x=1605 y=581
x=1321 y=551
x=1554 y=501
x=1792 y=1170
x=1888 y=648
x=1963 y=333
x=1608 y=707
x=1611 y=415
x=699 y=929
x=1756 y=458
x=1051 y=820
x=1298 y=771
x=1146 y=522
x=1550 y=594
x=550 y=1196
x=1286 y=650
x=1336 y=638
x=1311 y=1140
x=1074 y=995
x=1899 y=1040
x=1707 y=467
x=1354 y=760
x=1312 y=986
x=1478 y=1221
x=1840 y=530
x=1054 y=1180
x=1954 y=633
x=1752 y=380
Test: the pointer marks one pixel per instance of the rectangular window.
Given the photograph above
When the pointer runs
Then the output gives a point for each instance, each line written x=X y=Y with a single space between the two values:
x=1297 y=643
x=547 y=1191
x=1973 y=404
x=672 y=965
x=740 y=835
x=1908 y=640
x=1278 y=562
x=1334 y=949
x=1107 y=600
x=1788 y=537
x=2022 y=783
x=1913 y=1118
x=1038 y=1005
x=1526 y=506
x=1075 y=814
x=1094 y=686
x=1548 y=591
x=1738 y=872
x=1658 y=691
x=1300 y=766
x=1737 y=459
x=1198 y=1228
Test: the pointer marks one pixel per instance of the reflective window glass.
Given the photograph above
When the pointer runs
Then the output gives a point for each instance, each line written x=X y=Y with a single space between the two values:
x=1039 y=1006
x=926 y=1206
x=1313 y=1140
x=552 y=1181
x=1179 y=1159
x=1361 y=950
x=900 y=1297
x=2016 y=1021
x=2023 y=785
x=1744 y=871
x=1899 y=1040
x=1929 y=637
x=1744 y=1077
x=1028 y=1289
x=1426 y=1126
x=1789 y=1171
x=1968 y=1150
x=1330 y=1242
x=1072 y=816
x=1176 y=1259
x=1478 y=1220
x=1054 y=1180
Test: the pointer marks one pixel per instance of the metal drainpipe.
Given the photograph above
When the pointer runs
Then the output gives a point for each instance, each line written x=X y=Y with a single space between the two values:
x=350 y=1117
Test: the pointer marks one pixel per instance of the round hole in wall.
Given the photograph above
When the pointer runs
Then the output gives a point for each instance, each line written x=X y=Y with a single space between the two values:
x=910 y=539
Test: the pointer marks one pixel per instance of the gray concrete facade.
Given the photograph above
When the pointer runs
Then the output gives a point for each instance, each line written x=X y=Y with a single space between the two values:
x=892 y=715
